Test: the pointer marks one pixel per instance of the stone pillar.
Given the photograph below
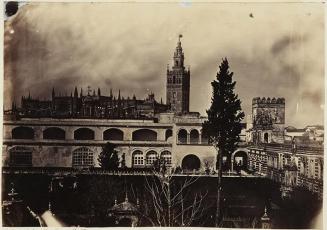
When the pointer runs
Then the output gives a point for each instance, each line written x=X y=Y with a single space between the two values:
x=188 y=138
x=70 y=133
x=161 y=134
x=128 y=134
x=38 y=133
x=98 y=134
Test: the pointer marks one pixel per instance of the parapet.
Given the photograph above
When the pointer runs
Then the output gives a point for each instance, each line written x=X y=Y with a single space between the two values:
x=263 y=100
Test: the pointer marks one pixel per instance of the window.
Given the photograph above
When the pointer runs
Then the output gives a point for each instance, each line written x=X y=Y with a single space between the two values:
x=174 y=79
x=194 y=136
x=137 y=158
x=20 y=157
x=113 y=134
x=166 y=156
x=266 y=138
x=182 y=136
x=54 y=133
x=22 y=133
x=82 y=157
x=168 y=134
x=144 y=135
x=84 y=134
x=151 y=157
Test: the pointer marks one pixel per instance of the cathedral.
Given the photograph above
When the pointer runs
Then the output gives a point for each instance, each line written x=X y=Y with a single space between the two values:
x=93 y=104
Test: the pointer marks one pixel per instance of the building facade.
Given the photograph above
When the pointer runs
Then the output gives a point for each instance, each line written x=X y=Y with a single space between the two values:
x=77 y=143
x=277 y=162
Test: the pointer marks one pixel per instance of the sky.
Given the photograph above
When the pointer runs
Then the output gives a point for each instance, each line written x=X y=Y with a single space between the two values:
x=274 y=50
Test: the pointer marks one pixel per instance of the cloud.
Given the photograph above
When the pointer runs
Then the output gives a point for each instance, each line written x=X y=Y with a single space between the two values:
x=279 y=53
x=287 y=41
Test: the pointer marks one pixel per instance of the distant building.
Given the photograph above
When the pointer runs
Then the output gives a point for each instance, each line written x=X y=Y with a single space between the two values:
x=268 y=120
x=91 y=105
x=312 y=134
x=277 y=162
x=290 y=156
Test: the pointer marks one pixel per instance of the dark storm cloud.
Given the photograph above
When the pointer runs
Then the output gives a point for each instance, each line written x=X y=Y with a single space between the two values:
x=61 y=58
x=287 y=40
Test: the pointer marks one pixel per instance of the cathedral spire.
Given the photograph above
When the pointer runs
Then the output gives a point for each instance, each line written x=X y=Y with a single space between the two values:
x=53 y=93
x=178 y=54
x=75 y=92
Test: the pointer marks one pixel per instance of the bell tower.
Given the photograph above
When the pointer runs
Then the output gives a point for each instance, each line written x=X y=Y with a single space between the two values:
x=178 y=82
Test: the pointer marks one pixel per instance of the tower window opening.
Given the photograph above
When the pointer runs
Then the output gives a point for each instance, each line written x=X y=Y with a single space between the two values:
x=266 y=137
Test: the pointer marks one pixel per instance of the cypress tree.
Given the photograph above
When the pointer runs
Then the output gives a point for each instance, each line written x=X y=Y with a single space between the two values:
x=223 y=126
x=108 y=158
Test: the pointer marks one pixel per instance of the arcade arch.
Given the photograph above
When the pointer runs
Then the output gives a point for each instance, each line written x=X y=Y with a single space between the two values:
x=194 y=136
x=144 y=135
x=239 y=160
x=54 y=133
x=84 y=134
x=22 y=132
x=191 y=162
x=113 y=134
x=182 y=136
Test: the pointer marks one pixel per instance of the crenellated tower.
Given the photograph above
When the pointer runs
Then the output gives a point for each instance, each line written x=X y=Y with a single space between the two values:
x=178 y=82
x=268 y=120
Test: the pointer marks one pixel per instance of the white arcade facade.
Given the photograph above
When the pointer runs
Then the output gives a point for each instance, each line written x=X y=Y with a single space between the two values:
x=47 y=142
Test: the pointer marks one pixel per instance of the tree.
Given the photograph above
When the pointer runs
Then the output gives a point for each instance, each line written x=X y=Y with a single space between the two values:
x=108 y=158
x=223 y=126
x=171 y=201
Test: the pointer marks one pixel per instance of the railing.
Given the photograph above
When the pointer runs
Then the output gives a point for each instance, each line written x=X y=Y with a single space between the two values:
x=182 y=140
x=121 y=172
x=288 y=147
